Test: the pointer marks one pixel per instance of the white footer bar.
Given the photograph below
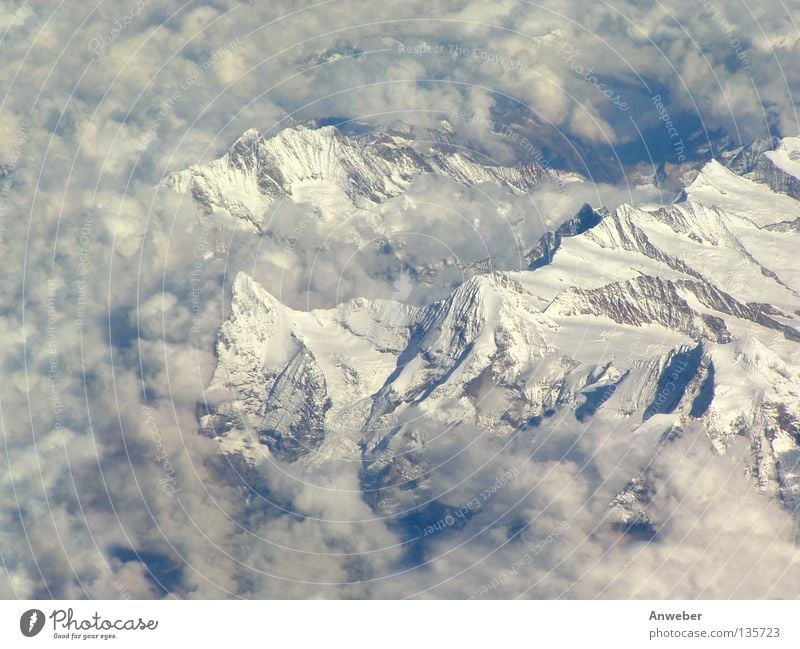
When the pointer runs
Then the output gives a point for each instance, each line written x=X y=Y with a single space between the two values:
x=388 y=624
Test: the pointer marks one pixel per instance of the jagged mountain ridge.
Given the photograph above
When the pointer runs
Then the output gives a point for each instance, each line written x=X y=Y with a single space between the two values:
x=656 y=321
x=336 y=172
x=771 y=161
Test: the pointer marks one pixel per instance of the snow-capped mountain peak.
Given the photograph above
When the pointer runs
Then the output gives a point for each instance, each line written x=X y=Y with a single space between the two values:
x=635 y=326
x=334 y=172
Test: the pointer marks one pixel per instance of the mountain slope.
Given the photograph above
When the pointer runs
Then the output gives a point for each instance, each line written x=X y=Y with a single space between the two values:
x=335 y=173
x=636 y=327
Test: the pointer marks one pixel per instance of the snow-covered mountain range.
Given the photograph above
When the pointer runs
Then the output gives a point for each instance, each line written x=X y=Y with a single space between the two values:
x=629 y=329
x=334 y=172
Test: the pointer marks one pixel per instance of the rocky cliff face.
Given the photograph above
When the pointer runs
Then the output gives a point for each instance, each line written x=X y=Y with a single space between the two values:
x=778 y=167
